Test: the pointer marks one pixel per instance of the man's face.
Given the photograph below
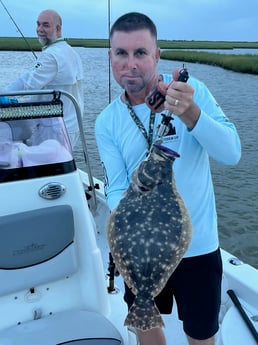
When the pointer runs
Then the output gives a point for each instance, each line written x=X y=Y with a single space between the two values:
x=134 y=57
x=47 y=28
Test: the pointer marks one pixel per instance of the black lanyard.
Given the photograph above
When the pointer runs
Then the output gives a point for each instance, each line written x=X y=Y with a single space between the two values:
x=140 y=124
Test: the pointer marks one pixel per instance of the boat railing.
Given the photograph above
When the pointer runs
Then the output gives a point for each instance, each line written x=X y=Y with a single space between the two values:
x=80 y=125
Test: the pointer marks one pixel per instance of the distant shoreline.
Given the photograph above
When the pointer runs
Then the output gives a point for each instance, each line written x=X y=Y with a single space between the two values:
x=245 y=63
x=241 y=63
x=19 y=43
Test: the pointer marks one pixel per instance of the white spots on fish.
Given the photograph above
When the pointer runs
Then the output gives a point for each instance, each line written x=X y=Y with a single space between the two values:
x=148 y=234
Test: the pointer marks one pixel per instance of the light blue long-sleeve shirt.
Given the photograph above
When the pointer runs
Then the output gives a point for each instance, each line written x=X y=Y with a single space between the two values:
x=122 y=147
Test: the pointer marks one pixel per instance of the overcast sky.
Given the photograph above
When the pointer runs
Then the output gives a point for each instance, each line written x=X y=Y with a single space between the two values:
x=227 y=20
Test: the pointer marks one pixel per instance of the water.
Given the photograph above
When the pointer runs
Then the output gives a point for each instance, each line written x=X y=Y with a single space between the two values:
x=235 y=187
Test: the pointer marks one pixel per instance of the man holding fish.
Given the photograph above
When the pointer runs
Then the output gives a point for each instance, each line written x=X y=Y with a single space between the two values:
x=125 y=132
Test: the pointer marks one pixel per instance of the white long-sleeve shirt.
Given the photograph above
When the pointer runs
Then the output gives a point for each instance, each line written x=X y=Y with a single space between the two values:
x=58 y=67
x=122 y=147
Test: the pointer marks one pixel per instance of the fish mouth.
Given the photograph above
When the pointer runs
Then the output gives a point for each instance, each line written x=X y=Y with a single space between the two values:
x=167 y=151
x=141 y=189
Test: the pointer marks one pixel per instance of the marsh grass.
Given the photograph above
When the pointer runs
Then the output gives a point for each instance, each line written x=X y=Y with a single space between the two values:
x=206 y=45
x=18 y=43
x=239 y=63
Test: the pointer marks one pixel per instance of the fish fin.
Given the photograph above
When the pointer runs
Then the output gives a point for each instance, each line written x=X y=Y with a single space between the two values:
x=144 y=316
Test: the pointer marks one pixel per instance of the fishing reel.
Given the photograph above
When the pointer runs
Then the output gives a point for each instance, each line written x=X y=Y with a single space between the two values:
x=155 y=100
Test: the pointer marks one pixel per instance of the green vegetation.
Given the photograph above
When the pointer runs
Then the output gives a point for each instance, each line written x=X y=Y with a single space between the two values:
x=238 y=63
x=88 y=43
x=14 y=43
x=206 y=45
x=18 y=43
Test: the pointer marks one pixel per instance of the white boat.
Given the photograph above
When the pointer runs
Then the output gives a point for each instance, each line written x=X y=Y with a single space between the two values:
x=58 y=283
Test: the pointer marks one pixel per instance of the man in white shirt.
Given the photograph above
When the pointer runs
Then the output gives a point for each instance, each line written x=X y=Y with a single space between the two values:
x=58 y=67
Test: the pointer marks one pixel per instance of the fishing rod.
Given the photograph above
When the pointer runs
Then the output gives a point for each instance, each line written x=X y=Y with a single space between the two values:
x=109 y=63
x=17 y=27
x=243 y=314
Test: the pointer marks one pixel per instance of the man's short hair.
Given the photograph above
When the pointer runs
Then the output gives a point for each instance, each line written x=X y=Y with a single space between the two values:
x=134 y=21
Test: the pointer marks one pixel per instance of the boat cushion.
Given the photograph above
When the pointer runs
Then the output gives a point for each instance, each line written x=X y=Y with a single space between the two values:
x=75 y=327
x=36 y=247
x=29 y=238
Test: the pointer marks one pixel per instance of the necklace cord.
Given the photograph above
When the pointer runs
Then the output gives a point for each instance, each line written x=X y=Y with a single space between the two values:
x=138 y=122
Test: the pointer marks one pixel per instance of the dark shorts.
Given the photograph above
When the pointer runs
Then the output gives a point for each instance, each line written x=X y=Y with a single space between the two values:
x=196 y=286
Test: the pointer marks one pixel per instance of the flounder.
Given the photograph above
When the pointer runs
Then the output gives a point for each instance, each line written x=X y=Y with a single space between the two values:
x=148 y=234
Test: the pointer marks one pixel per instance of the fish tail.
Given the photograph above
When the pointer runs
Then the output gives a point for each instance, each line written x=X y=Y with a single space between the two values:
x=144 y=316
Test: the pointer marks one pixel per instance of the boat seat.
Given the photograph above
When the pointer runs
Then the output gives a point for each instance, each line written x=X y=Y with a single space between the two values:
x=36 y=247
x=234 y=331
x=21 y=130
x=65 y=328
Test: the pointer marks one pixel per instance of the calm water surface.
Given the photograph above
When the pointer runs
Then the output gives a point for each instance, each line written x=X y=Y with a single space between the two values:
x=236 y=188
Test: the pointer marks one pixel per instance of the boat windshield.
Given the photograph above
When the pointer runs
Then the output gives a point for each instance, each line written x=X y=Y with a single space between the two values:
x=33 y=135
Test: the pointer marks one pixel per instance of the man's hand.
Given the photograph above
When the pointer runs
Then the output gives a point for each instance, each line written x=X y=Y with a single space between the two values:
x=179 y=101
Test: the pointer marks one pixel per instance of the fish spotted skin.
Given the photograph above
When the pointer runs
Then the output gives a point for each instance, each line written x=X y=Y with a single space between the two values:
x=148 y=234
